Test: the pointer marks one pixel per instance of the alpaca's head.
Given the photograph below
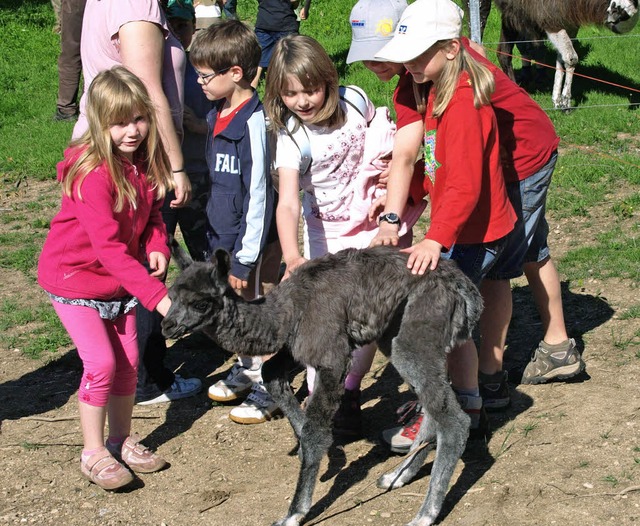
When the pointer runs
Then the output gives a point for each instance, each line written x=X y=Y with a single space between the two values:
x=197 y=296
x=622 y=15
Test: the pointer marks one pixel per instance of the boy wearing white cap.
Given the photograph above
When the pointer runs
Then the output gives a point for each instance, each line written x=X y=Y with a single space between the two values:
x=470 y=211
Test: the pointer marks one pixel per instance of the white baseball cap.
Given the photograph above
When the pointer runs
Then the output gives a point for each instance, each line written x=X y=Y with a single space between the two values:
x=372 y=25
x=422 y=24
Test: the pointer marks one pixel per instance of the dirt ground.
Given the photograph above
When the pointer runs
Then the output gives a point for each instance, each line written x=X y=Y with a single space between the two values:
x=564 y=453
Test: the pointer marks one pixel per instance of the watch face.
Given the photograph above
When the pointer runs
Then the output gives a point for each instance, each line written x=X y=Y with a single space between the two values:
x=391 y=218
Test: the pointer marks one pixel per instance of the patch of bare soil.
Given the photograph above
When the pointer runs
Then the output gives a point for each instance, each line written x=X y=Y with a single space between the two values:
x=565 y=453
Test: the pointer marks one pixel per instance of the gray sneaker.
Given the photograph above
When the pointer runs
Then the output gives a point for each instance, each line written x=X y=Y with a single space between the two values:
x=546 y=365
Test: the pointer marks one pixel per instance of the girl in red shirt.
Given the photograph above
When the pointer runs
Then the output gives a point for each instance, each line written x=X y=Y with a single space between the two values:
x=114 y=179
x=470 y=210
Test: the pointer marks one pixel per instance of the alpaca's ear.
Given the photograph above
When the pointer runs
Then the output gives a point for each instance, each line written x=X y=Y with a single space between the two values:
x=222 y=263
x=180 y=255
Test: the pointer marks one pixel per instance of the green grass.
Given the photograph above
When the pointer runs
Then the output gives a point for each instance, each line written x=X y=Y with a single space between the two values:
x=599 y=140
x=30 y=141
x=616 y=254
x=31 y=329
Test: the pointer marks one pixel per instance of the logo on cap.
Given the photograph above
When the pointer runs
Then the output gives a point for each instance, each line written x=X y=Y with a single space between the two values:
x=357 y=23
x=402 y=30
x=385 y=27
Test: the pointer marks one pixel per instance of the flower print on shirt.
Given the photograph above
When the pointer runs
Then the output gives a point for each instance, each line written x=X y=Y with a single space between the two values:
x=430 y=162
x=328 y=193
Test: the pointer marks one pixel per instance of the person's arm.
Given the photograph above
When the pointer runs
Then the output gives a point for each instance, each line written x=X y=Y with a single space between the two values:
x=406 y=146
x=164 y=305
x=257 y=207
x=193 y=123
x=304 y=12
x=142 y=52
x=96 y=216
x=288 y=217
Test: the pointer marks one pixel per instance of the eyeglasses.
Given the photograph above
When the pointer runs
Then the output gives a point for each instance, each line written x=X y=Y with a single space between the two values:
x=206 y=78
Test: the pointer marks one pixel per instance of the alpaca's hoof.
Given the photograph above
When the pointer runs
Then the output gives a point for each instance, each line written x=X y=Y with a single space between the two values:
x=423 y=521
x=293 y=520
x=563 y=103
x=391 y=480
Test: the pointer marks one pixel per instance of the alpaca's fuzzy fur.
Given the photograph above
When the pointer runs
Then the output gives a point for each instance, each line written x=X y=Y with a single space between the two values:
x=328 y=307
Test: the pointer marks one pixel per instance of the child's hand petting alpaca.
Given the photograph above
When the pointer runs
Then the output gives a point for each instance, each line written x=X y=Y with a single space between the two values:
x=424 y=255
x=158 y=263
x=237 y=284
x=292 y=265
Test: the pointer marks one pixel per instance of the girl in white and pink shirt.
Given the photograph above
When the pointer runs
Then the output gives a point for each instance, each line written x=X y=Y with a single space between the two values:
x=348 y=150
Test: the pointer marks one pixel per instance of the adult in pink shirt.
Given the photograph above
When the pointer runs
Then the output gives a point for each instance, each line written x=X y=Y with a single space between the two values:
x=134 y=34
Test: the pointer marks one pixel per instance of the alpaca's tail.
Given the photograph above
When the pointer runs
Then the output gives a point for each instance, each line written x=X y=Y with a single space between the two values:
x=466 y=312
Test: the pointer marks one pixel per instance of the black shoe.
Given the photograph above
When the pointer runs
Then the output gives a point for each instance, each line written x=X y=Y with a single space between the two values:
x=494 y=390
x=68 y=117
x=347 y=422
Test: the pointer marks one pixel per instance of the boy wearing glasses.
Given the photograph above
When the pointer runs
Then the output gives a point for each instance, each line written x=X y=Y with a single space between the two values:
x=240 y=208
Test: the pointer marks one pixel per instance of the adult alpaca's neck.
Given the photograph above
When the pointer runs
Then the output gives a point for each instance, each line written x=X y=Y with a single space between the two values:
x=255 y=328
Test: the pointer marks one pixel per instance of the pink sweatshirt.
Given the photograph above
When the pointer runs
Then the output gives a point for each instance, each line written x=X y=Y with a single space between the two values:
x=92 y=252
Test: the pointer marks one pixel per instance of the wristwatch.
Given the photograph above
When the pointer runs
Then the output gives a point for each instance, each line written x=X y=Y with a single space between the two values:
x=391 y=218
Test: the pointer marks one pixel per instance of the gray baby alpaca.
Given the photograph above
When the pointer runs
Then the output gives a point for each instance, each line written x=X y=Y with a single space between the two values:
x=328 y=307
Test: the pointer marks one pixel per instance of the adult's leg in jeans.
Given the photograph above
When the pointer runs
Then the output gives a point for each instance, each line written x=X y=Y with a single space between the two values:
x=153 y=376
x=69 y=63
x=193 y=217
x=230 y=9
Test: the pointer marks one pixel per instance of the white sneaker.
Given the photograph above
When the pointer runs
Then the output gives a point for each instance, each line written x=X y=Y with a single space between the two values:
x=257 y=408
x=236 y=385
x=180 y=388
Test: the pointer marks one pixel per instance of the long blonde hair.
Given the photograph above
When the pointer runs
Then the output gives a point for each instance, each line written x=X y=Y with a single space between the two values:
x=115 y=95
x=304 y=58
x=482 y=82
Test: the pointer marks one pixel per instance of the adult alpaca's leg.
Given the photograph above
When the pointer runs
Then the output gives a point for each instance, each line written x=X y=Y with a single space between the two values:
x=565 y=66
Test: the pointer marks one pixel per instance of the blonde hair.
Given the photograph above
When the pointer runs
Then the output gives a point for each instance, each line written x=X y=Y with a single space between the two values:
x=304 y=58
x=115 y=95
x=482 y=82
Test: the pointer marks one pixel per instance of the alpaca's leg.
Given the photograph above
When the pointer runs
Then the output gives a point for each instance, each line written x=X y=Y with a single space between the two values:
x=418 y=354
x=410 y=360
x=452 y=425
x=315 y=440
x=404 y=473
x=565 y=66
x=505 y=50
x=275 y=378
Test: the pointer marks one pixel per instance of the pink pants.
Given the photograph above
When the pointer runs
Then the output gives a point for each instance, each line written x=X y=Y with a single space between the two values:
x=108 y=350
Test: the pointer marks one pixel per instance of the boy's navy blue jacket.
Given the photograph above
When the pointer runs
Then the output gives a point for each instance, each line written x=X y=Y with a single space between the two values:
x=240 y=208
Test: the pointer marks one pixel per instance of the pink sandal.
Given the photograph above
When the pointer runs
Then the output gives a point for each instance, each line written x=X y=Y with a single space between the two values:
x=105 y=471
x=137 y=456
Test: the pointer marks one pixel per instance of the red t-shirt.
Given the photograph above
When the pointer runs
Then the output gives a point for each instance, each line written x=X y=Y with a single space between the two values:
x=223 y=122
x=463 y=175
x=527 y=135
